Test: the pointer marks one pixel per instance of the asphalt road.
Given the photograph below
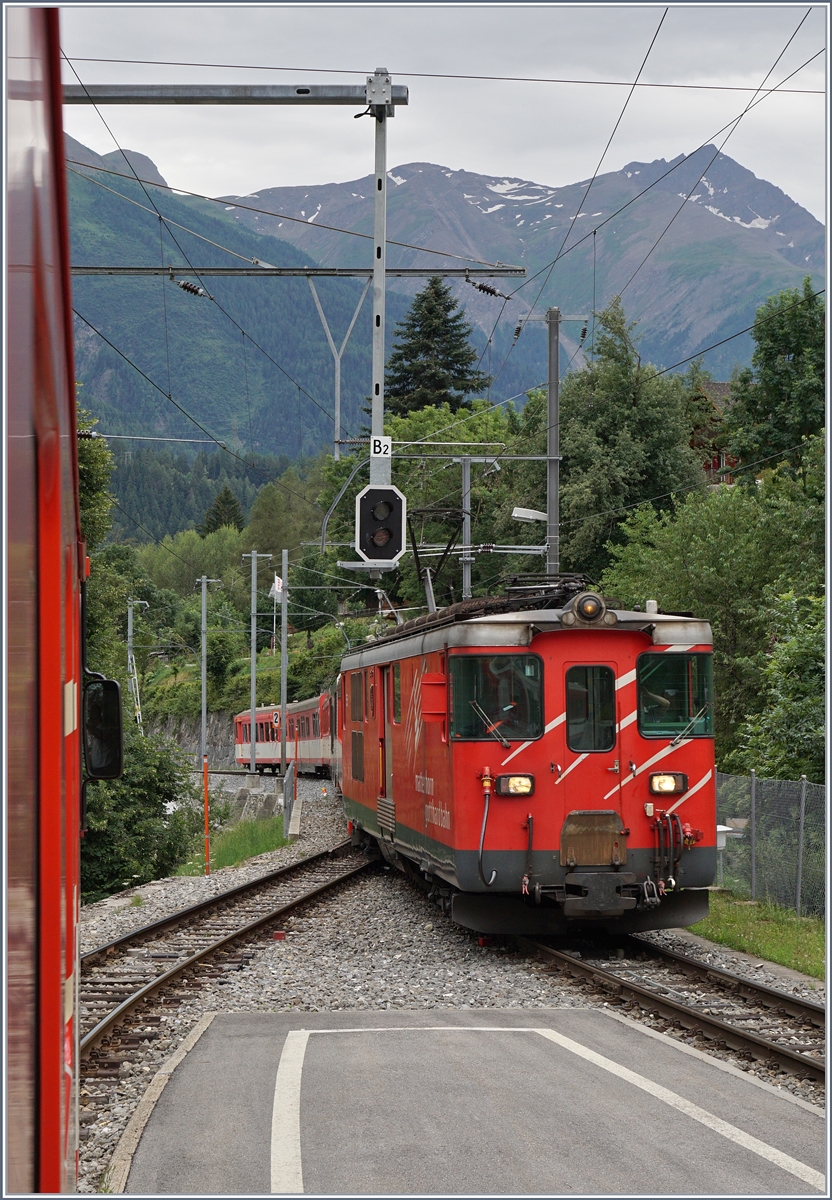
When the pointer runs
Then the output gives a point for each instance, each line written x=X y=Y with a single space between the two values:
x=551 y=1101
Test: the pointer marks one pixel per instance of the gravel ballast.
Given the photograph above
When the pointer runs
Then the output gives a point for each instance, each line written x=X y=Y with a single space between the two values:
x=377 y=943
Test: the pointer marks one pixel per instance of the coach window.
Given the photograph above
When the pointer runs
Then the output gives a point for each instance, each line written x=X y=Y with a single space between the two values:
x=496 y=696
x=357 y=696
x=675 y=695
x=397 y=693
x=590 y=709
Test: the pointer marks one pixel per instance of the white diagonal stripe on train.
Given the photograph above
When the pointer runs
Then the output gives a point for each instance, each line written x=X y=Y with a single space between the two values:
x=571 y=767
x=548 y=729
x=690 y=792
x=680 y=649
x=628 y=720
x=623 y=680
x=656 y=757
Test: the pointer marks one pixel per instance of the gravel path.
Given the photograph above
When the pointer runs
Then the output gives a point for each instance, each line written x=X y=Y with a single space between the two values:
x=377 y=944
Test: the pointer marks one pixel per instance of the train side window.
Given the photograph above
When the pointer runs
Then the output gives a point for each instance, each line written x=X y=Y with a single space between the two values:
x=357 y=755
x=371 y=707
x=590 y=709
x=357 y=696
x=397 y=693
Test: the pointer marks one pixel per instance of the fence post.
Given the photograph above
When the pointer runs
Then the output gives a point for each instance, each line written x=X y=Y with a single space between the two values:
x=753 y=834
x=801 y=821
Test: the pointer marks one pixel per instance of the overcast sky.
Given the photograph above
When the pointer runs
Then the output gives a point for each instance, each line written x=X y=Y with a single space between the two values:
x=551 y=133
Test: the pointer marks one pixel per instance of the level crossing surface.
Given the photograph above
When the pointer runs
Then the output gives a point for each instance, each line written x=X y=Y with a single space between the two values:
x=537 y=1102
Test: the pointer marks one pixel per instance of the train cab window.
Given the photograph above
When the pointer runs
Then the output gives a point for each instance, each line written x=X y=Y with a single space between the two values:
x=397 y=693
x=357 y=696
x=675 y=695
x=496 y=696
x=371 y=706
x=590 y=709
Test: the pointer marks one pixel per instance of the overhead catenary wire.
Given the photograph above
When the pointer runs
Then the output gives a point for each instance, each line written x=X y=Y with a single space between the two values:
x=188 y=261
x=715 y=155
x=701 y=87
x=583 y=200
x=271 y=213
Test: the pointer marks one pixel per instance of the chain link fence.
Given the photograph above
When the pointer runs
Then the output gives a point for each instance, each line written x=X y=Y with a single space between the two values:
x=775 y=840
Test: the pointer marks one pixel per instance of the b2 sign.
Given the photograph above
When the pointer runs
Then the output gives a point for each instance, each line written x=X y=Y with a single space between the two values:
x=381 y=447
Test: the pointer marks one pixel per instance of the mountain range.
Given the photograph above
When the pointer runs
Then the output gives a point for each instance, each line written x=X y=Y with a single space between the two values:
x=728 y=241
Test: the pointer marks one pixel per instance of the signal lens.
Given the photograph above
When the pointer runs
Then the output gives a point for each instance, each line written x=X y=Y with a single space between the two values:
x=381 y=536
x=382 y=511
x=663 y=785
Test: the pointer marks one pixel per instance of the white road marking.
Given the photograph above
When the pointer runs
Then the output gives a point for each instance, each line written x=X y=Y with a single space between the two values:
x=287 y=1171
x=571 y=767
x=690 y=792
x=786 y=1163
x=548 y=729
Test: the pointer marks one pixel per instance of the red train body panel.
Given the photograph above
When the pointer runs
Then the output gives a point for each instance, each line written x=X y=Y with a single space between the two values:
x=580 y=717
x=44 y=570
x=311 y=736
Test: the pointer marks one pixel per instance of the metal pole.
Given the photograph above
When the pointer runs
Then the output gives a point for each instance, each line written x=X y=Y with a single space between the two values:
x=130 y=648
x=284 y=658
x=753 y=834
x=337 y=355
x=801 y=822
x=379 y=90
x=203 y=742
x=467 y=557
x=253 y=722
x=205 y=808
x=553 y=446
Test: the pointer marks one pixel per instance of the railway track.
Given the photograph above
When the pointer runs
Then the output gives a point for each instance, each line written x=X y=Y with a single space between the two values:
x=159 y=963
x=750 y=1018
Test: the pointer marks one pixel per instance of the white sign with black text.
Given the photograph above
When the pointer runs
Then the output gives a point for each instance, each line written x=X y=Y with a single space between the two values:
x=381 y=447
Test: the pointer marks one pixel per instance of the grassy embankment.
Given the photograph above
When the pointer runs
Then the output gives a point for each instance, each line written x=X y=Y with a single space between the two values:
x=244 y=840
x=775 y=934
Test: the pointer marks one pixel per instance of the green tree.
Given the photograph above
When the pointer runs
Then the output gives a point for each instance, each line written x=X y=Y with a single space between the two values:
x=226 y=510
x=95 y=466
x=625 y=438
x=284 y=513
x=779 y=402
x=722 y=555
x=432 y=361
x=139 y=827
x=787 y=738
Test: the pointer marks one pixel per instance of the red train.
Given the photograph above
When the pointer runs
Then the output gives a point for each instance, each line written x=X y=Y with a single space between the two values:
x=311 y=736
x=542 y=762
x=45 y=569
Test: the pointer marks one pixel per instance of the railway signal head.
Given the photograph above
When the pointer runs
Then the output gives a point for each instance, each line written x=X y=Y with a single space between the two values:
x=380 y=516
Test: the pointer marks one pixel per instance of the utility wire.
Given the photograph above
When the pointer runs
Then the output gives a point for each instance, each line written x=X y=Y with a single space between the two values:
x=185 y=412
x=188 y=261
x=716 y=154
x=702 y=87
x=271 y=213
x=164 y=302
x=583 y=199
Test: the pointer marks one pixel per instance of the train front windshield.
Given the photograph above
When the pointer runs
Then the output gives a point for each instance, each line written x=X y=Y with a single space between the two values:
x=496 y=695
x=675 y=695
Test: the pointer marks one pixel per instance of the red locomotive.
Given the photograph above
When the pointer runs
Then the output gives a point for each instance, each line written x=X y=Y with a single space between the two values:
x=45 y=569
x=543 y=761
x=311 y=736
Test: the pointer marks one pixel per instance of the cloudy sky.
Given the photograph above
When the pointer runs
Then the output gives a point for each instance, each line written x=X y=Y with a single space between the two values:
x=548 y=132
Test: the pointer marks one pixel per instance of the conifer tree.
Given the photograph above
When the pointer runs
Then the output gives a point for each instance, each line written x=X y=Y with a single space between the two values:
x=433 y=361
x=226 y=510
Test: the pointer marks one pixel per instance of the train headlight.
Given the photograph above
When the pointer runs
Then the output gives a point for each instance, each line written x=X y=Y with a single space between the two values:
x=668 y=783
x=515 y=785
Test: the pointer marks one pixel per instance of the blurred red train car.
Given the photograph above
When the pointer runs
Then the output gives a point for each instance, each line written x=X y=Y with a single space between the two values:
x=45 y=568
x=311 y=736
x=546 y=763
